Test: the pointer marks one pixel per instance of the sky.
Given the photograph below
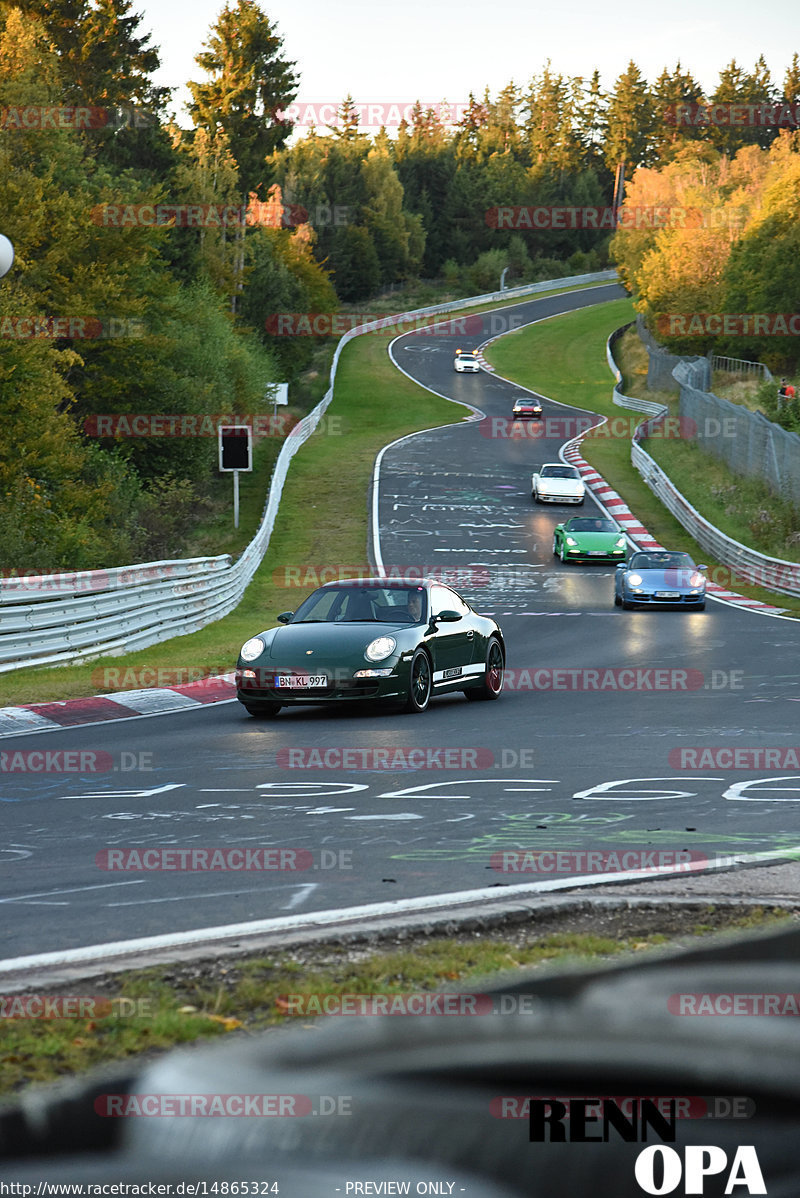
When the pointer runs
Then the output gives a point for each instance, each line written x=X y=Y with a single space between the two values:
x=434 y=50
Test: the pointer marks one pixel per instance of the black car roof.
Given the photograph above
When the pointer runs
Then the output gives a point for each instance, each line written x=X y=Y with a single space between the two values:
x=400 y=583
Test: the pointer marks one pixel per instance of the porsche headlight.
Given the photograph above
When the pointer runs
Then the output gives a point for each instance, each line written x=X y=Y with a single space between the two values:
x=252 y=649
x=620 y=543
x=570 y=541
x=697 y=580
x=635 y=580
x=382 y=646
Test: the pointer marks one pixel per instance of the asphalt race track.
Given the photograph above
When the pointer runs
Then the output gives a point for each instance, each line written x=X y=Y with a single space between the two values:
x=584 y=751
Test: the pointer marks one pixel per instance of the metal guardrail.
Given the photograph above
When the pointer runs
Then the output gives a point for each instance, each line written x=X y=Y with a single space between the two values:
x=59 y=618
x=748 y=566
x=740 y=366
x=617 y=396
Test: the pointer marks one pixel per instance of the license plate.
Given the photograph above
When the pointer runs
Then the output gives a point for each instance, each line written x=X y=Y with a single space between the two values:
x=668 y=595
x=300 y=681
x=597 y=553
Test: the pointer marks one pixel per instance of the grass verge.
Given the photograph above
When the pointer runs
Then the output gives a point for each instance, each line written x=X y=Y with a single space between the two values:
x=160 y=1008
x=565 y=359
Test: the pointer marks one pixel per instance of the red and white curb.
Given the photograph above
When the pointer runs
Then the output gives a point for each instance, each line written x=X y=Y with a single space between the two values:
x=617 y=508
x=46 y=717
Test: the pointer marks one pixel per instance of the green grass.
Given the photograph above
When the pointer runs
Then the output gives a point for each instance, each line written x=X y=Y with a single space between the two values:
x=322 y=520
x=178 y=1004
x=565 y=360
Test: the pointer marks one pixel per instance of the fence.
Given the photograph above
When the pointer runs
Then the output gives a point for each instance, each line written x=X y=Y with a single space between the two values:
x=59 y=618
x=747 y=566
x=740 y=366
x=627 y=401
x=749 y=443
x=661 y=363
x=746 y=441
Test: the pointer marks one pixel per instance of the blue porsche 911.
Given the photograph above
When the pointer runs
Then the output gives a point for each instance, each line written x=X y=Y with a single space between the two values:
x=659 y=578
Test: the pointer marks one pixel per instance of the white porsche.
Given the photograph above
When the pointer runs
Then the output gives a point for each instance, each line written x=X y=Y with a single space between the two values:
x=556 y=483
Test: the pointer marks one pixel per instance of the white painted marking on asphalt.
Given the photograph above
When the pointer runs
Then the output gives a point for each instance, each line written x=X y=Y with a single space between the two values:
x=126 y=794
x=328 y=810
x=412 y=790
x=388 y=815
x=736 y=792
x=297 y=789
x=326 y=919
x=604 y=790
x=72 y=890
x=180 y=898
x=302 y=894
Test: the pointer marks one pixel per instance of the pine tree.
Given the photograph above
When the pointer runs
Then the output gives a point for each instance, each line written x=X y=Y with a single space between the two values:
x=251 y=84
x=791 y=82
x=589 y=105
x=103 y=60
x=347 y=127
x=630 y=122
x=672 y=89
x=736 y=86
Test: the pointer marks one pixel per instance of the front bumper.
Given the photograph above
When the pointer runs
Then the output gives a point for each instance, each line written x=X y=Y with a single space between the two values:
x=649 y=600
x=549 y=497
x=342 y=688
x=583 y=555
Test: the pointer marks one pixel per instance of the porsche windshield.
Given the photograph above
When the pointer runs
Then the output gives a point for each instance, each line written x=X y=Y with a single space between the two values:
x=662 y=561
x=371 y=604
x=588 y=524
x=559 y=472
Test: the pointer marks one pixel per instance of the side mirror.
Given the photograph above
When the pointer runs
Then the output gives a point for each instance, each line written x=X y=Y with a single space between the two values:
x=447 y=617
x=701 y=567
x=622 y=565
x=285 y=617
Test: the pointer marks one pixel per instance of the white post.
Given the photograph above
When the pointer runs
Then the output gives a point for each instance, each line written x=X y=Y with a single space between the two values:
x=236 y=499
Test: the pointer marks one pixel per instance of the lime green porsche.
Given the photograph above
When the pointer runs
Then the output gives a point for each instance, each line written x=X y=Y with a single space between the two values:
x=397 y=641
x=589 y=539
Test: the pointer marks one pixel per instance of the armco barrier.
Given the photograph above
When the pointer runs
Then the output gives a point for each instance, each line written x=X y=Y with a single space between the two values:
x=627 y=401
x=59 y=618
x=746 y=565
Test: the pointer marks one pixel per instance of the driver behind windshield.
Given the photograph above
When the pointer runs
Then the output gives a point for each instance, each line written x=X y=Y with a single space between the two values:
x=415 y=605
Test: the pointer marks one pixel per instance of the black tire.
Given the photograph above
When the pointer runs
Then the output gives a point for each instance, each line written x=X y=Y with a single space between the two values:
x=492 y=685
x=263 y=710
x=626 y=606
x=563 y=554
x=555 y=548
x=535 y=496
x=420 y=683
x=701 y=606
x=617 y=600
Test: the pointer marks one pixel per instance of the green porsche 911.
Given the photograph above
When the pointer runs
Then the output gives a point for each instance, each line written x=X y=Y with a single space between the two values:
x=372 y=639
x=589 y=538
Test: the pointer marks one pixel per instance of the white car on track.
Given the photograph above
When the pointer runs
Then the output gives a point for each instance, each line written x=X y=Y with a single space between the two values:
x=556 y=483
x=466 y=360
